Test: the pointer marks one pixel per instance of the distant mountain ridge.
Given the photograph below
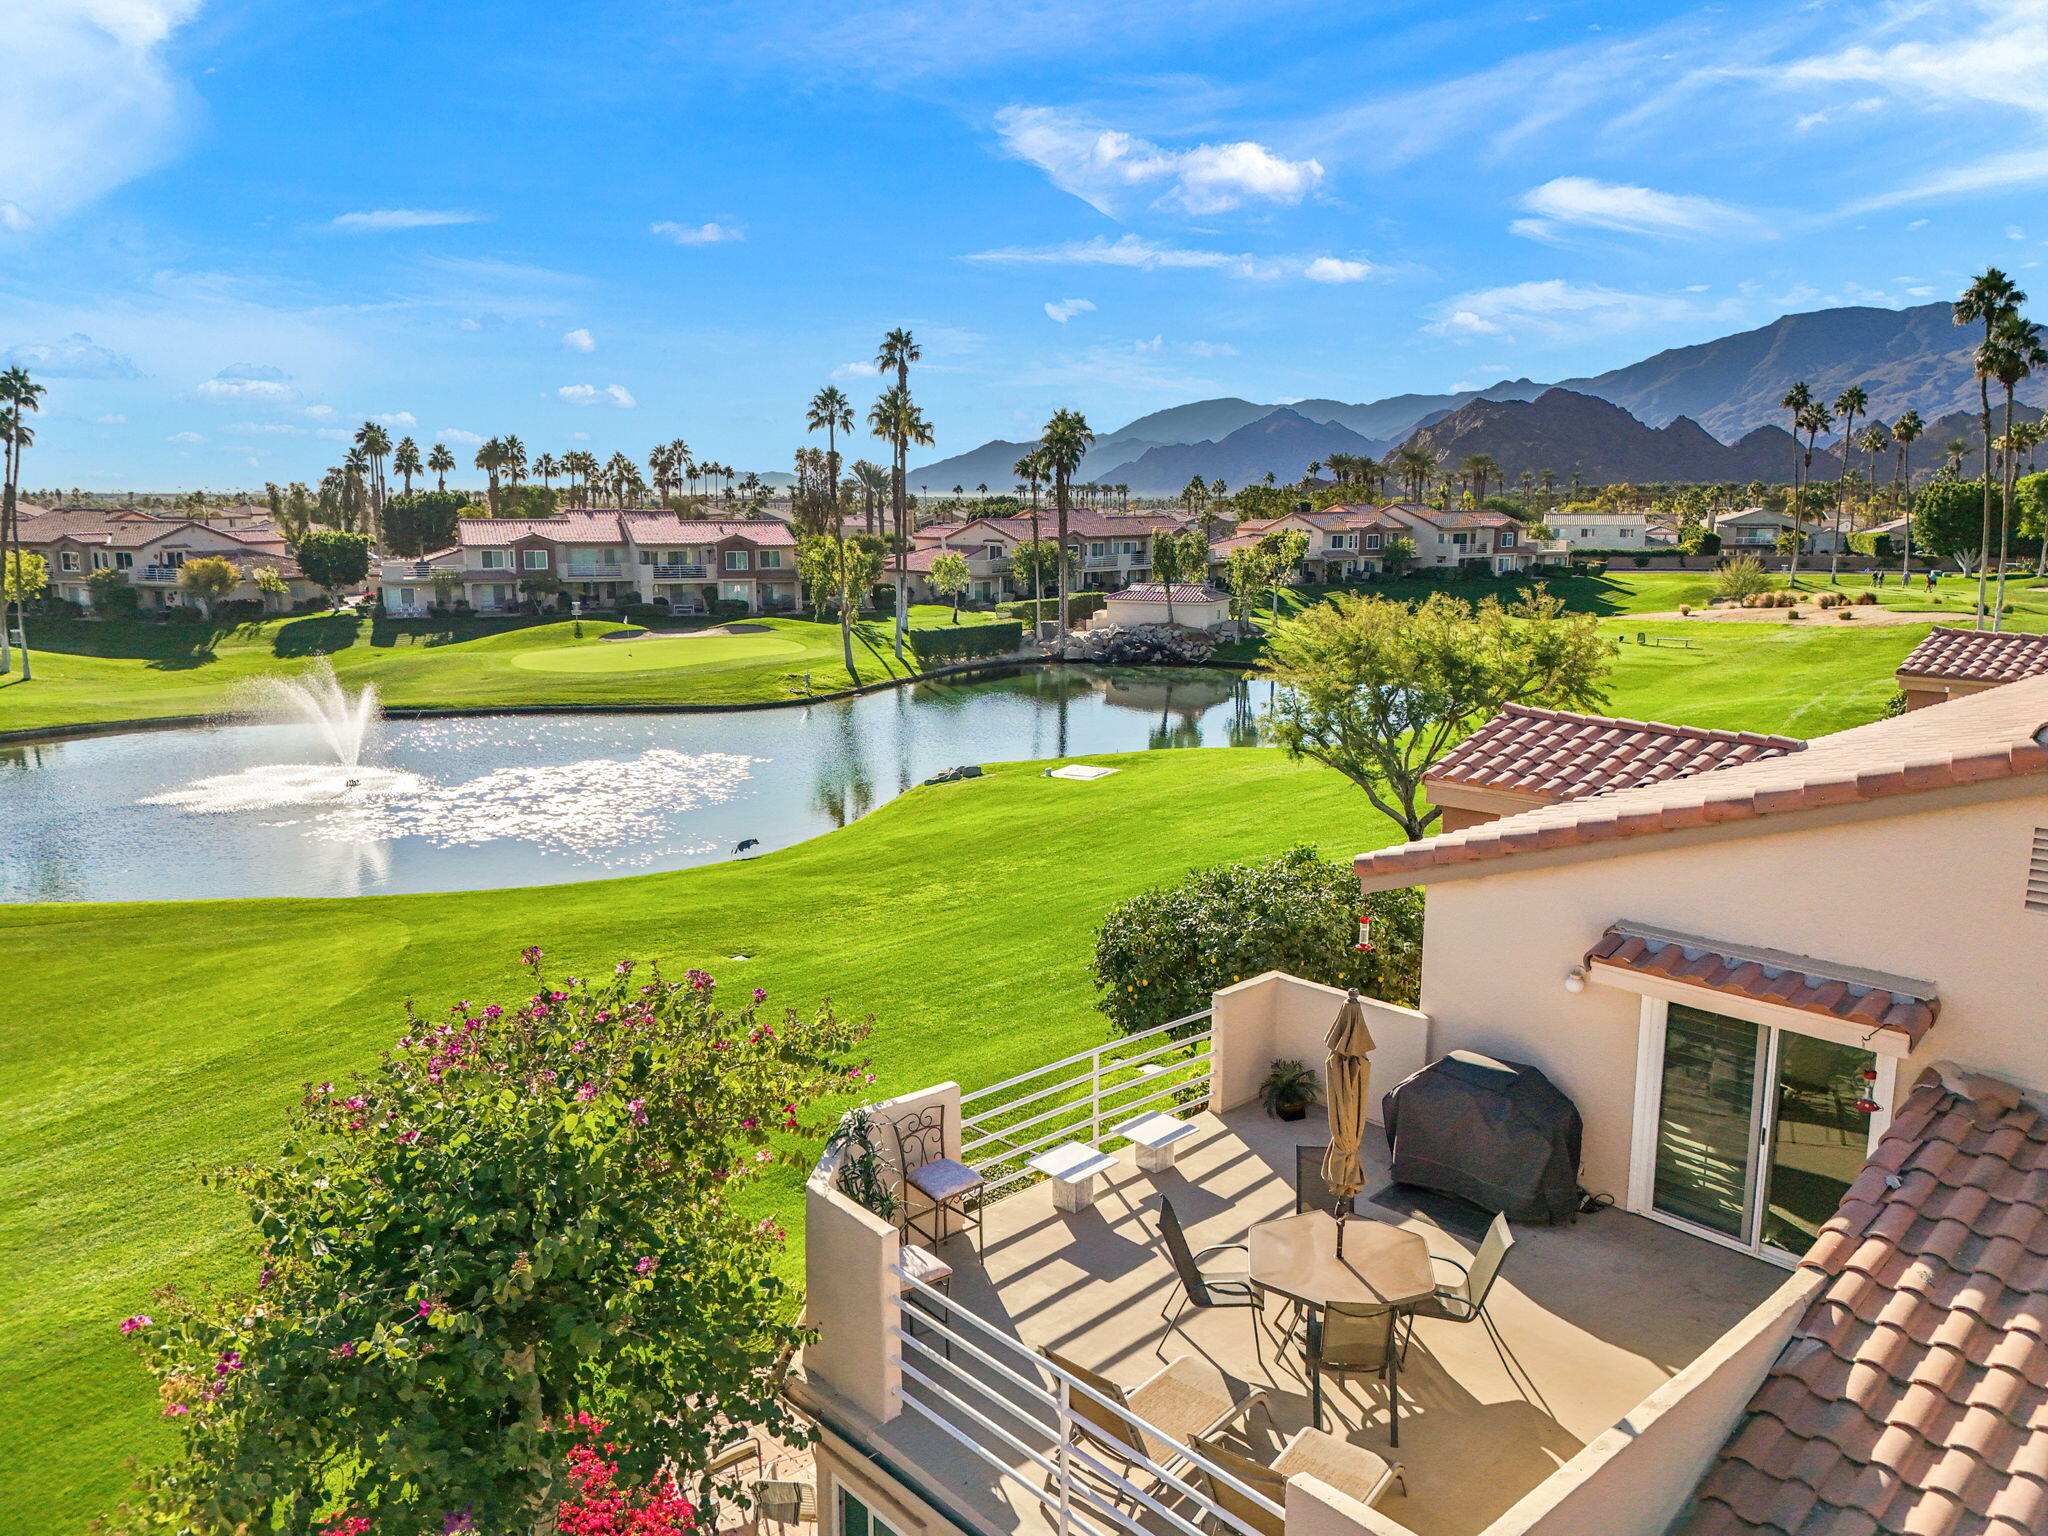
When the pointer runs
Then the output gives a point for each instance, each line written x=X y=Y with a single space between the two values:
x=1724 y=391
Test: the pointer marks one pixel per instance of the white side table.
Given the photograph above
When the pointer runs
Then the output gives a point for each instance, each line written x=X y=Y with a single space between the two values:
x=1157 y=1136
x=1072 y=1166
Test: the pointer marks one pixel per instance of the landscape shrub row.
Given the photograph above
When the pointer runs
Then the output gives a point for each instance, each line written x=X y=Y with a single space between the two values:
x=967 y=641
x=1080 y=607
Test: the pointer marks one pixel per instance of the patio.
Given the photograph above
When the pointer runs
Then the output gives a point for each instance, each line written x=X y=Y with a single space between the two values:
x=1595 y=1317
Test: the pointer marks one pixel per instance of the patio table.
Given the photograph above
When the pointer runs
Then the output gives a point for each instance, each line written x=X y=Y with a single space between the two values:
x=1382 y=1266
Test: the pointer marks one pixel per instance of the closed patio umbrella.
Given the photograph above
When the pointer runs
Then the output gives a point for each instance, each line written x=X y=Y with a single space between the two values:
x=1347 y=1074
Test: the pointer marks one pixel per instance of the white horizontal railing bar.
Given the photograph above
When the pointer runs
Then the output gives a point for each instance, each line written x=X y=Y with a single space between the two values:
x=1097 y=1069
x=1017 y=1149
x=987 y=1389
x=1106 y=1070
x=1073 y=1382
x=925 y=1411
x=1108 y=1045
x=1097 y=1466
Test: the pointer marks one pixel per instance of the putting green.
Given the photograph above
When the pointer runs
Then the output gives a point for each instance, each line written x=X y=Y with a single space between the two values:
x=655 y=655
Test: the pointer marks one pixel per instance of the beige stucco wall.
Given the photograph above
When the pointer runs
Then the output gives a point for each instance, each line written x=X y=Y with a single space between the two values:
x=1935 y=895
x=1634 y=1479
x=1276 y=1017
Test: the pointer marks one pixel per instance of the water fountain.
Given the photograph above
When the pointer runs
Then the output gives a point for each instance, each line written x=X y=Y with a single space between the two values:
x=316 y=698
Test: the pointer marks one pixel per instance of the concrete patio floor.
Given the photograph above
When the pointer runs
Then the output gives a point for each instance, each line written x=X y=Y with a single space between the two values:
x=1595 y=1316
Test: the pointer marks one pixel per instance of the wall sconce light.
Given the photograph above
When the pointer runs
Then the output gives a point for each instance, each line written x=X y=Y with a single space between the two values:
x=1575 y=979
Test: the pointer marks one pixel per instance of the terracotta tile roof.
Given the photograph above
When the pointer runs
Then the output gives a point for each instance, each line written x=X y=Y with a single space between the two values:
x=571 y=528
x=1998 y=734
x=1862 y=998
x=1914 y=1396
x=1155 y=592
x=1561 y=756
x=666 y=527
x=1977 y=656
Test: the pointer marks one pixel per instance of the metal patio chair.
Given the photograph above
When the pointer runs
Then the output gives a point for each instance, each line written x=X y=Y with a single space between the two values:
x=943 y=1183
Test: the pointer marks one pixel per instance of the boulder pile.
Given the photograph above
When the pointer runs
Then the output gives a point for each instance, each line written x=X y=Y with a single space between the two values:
x=1142 y=645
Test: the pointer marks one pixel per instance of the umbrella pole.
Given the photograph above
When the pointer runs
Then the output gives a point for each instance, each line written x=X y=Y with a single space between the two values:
x=1341 y=1215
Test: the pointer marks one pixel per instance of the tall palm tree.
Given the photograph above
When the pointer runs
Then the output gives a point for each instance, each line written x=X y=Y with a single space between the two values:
x=405 y=459
x=1905 y=431
x=1033 y=471
x=441 y=462
x=899 y=349
x=1480 y=468
x=1849 y=404
x=490 y=458
x=1798 y=400
x=2019 y=355
x=1989 y=299
x=515 y=460
x=831 y=413
x=374 y=443
x=1064 y=443
x=19 y=395
x=1816 y=419
x=546 y=468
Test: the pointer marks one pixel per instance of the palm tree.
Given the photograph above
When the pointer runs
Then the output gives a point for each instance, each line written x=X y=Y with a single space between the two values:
x=896 y=418
x=1064 y=443
x=490 y=458
x=831 y=413
x=1904 y=431
x=1033 y=470
x=374 y=443
x=1415 y=465
x=1816 y=419
x=1849 y=404
x=515 y=460
x=1873 y=440
x=1988 y=300
x=405 y=458
x=19 y=395
x=441 y=462
x=2019 y=355
x=1798 y=400
x=1479 y=468
x=546 y=468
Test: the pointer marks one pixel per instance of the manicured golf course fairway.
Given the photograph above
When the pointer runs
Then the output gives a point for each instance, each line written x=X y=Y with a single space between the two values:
x=658 y=655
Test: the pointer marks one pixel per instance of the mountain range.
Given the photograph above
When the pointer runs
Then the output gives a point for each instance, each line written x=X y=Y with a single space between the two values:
x=1703 y=412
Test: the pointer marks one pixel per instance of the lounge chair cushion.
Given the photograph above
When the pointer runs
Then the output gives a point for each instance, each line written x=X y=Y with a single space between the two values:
x=1350 y=1469
x=943 y=1179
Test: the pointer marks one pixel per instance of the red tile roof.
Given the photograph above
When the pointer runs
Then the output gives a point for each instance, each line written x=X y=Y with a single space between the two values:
x=1998 y=734
x=1767 y=976
x=1977 y=656
x=667 y=528
x=1560 y=756
x=1914 y=1396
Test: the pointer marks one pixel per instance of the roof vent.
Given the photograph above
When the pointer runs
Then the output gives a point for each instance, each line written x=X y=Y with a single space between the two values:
x=2037 y=872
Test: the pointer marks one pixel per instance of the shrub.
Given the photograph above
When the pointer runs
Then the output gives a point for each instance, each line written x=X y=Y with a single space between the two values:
x=1865 y=599
x=111 y=593
x=1846 y=612
x=642 y=613
x=1640 y=560
x=728 y=608
x=1080 y=607
x=959 y=644
x=1795 y=614
x=1740 y=578
x=1160 y=954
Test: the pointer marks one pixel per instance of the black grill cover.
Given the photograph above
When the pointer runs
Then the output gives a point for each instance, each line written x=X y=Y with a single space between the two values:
x=1496 y=1133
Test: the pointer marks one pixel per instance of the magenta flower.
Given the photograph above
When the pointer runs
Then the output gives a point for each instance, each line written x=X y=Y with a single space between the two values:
x=407 y=1138
x=586 y=1093
x=344 y=1351
x=699 y=980
x=558 y=997
x=530 y=954
x=645 y=1264
x=639 y=1111
x=229 y=1362
x=426 y=1309
x=760 y=994
x=577 y=1047
x=746 y=1125
x=493 y=1011
x=136 y=1323
x=175 y=1410
x=623 y=968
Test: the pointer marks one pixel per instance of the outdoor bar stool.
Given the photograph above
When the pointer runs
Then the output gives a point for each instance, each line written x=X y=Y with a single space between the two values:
x=945 y=1183
x=922 y=1264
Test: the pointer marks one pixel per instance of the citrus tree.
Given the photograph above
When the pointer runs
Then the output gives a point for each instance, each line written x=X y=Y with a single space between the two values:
x=207 y=579
x=950 y=578
x=523 y=1214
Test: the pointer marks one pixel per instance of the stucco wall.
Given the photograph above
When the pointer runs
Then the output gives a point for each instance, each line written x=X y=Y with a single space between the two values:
x=1935 y=896
x=1634 y=1479
x=1277 y=1017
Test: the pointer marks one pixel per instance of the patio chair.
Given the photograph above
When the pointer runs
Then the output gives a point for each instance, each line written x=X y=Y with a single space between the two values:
x=1355 y=1341
x=1463 y=1300
x=1182 y=1400
x=1214 y=1285
x=1362 y=1474
x=1310 y=1192
x=944 y=1183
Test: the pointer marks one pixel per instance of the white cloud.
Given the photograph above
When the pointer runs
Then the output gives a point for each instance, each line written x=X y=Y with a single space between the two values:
x=184 y=439
x=460 y=438
x=848 y=373
x=1557 y=311
x=111 y=419
x=86 y=102
x=1582 y=202
x=1101 y=165
x=697 y=234
x=77 y=356
x=267 y=428
x=1155 y=256
x=579 y=437
x=591 y=394
x=334 y=434
x=401 y=218
x=398 y=419
x=579 y=340
x=248 y=384
x=1332 y=269
x=1064 y=310
x=319 y=412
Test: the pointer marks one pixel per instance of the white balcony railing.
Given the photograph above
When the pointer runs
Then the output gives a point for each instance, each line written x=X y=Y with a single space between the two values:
x=680 y=572
x=1000 y=1410
x=1083 y=1097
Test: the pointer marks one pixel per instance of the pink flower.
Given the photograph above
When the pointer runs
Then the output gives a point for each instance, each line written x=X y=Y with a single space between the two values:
x=760 y=994
x=747 y=1125
x=493 y=1011
x=764 y=1155
x=577 y=1047
x=586 y=1093
x=623 y=968
x=344 y=1351
x=229 y=1362
x=530 y=954
x=645 y=1264
x=639 y=1111
x=699 y=980
x=136 y=1323
x=175 y=1410
x=408 y=1137
x=426 y=1309
x=558 y=997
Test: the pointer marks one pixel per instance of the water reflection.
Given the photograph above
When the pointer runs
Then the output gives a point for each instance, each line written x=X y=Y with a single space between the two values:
x=508 y=800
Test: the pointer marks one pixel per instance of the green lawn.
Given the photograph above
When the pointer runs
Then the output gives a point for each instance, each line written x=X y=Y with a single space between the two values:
x=88 y=671
x=151 y=1041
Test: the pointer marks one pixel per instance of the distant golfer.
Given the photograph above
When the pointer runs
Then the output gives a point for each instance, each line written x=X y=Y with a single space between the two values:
x=1930 y=581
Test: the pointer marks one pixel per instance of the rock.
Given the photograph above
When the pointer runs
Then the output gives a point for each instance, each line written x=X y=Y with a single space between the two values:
x=1142 y=645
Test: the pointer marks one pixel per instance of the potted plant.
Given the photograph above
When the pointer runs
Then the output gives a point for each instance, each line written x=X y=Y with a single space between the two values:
x=1290 y=1087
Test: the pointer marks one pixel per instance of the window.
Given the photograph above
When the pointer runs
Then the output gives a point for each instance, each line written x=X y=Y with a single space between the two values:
x=735 y=559
x=1460 y=539
x=174 y=558
x=771 y=560
x=495 y=559
x=534 y=559
x=1585 y=533
x=67 y=560
x=99 y=560
x=1372 y=541
x=1507 y=538
x=1097 y=550
x=647 y=557
x=991 y=551
x=124 y=561
x=856 y=1519
x=1128 y=547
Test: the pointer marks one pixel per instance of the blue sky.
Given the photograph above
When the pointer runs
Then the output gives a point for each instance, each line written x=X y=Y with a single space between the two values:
x=230 y=230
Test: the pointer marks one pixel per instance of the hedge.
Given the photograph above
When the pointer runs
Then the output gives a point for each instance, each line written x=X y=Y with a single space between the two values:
x=966 y=641
x=1081 y=606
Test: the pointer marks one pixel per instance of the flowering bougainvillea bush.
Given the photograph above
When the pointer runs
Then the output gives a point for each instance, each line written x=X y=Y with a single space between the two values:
x=522 y=1215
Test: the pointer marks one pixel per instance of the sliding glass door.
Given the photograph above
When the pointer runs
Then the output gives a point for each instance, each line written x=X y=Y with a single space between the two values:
x=1759 y=1131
